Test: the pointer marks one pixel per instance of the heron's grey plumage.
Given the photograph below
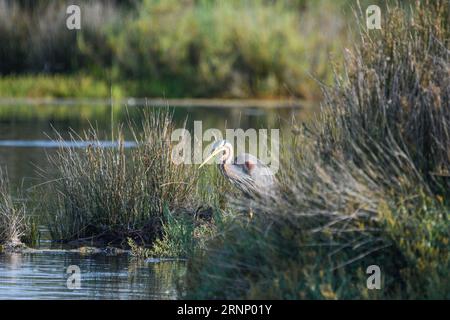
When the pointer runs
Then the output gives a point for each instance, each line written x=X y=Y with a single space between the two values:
x=246 y=172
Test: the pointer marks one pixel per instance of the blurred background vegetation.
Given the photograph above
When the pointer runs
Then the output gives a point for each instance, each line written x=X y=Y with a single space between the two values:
x=190 y=48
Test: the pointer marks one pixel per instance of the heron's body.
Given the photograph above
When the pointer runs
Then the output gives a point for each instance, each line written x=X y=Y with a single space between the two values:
x=246 y=172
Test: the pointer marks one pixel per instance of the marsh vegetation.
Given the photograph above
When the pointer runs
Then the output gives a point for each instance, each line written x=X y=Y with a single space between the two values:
x=169 y=48
x=12 y=215
x=366 y=182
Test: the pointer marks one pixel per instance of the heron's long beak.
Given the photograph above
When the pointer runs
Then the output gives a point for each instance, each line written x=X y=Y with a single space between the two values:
x=212 y=155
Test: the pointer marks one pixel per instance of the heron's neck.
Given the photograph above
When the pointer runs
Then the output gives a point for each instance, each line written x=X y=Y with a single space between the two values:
x=228 y=158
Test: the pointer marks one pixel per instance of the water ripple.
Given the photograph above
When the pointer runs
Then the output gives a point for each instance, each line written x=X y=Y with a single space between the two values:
x=43 y=276
x=63 y=144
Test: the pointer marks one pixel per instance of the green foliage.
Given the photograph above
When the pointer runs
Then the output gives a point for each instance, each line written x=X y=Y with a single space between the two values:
x=177 y=237
x=174 y=49
x=364 y=183
x=53 y=86
x=137 y=251
x=231 y=48
x=212 y=188
x=183 y=235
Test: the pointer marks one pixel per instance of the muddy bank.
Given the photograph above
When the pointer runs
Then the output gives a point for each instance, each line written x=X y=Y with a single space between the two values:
x=107 y=251
x=21 y=248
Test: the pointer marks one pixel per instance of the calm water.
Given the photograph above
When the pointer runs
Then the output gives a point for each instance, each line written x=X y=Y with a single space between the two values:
x=25 y=142
x=44 y=276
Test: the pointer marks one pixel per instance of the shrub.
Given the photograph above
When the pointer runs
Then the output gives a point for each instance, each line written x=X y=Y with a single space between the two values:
x=230 y=48
x=177 y=49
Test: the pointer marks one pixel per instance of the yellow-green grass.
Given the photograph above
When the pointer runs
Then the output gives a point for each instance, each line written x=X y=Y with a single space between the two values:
x=54 y=86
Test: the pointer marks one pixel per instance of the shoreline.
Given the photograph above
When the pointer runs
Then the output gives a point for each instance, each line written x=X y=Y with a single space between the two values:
x=161 y=102
x=88 y=251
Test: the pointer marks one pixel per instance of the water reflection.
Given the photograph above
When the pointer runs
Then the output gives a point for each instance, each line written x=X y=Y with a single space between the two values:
x=63 y=144
x=25 y=142
x=43 y=276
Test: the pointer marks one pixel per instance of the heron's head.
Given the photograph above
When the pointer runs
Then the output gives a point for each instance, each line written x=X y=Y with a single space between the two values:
x=223 y=149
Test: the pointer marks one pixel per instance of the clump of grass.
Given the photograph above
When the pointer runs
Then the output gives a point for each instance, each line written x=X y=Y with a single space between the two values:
x=394 y=94
x=111 y=194
x=213 y=189
x=184 y=234
x=139 y=252
x=177 y=237
x=366 y=183
x=13 y=216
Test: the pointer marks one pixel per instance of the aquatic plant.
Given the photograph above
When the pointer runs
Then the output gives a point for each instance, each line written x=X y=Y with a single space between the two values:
x=184 y=234
x=365 y=183
x=13 y=218
x=111 y=194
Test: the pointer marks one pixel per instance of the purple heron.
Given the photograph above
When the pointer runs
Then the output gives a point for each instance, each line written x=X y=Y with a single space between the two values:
x=246 y=172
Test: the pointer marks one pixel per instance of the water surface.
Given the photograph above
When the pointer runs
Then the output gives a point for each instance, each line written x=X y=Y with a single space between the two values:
x=27 y=133
x=27 y=136
x=44 y=276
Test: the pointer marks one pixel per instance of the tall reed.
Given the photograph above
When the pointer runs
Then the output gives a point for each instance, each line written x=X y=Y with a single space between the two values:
x=13 y=215
x=111 y=194
x=365 y=183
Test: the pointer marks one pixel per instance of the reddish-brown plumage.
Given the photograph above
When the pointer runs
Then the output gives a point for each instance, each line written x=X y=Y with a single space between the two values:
x=246 y=172
x=249 y=165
